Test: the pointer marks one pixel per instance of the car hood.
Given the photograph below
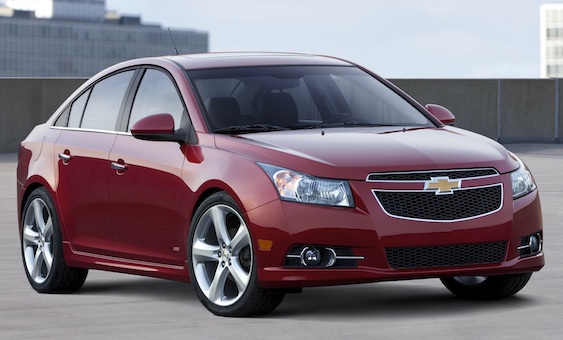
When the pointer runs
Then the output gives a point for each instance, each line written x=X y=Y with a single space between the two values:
x=353 y=153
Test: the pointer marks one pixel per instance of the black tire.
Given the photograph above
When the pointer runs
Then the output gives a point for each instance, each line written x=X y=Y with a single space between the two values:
x=42 y=247
x=223 y=250
x=486 y=288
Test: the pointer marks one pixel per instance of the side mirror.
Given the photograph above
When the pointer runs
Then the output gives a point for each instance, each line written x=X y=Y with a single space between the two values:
x=158 y=127
x=441 y=113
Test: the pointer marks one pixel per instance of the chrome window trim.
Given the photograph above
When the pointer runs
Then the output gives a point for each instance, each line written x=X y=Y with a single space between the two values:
x=64 y=128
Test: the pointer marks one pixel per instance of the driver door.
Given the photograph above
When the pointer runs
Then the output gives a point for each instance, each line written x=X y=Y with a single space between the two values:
x=144 y=192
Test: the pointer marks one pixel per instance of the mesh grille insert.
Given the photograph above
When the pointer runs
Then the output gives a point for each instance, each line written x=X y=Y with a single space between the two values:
x=423 y=205
x=446 y=256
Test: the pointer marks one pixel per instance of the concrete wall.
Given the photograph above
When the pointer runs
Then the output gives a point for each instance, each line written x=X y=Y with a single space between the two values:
x=26 y=102
x=507 y=110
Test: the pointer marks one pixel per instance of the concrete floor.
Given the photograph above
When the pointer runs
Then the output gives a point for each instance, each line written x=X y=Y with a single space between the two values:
x=129 y=307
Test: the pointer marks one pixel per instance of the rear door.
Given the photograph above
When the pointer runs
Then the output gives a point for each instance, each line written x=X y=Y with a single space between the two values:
x=83 y=166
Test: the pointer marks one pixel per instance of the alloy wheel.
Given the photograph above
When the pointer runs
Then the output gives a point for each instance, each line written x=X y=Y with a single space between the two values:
x=38 y=241
x=222 y=255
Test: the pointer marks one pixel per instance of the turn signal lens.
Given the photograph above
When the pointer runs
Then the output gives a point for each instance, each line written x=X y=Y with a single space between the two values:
x=265 y=245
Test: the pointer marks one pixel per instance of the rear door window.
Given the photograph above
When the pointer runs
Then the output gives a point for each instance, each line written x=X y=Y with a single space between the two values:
x=106 y=101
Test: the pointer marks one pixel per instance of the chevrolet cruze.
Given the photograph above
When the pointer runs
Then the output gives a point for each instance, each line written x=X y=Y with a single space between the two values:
x=253 y=175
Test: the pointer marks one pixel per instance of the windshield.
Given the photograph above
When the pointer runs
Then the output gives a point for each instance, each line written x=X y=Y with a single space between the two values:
x=258 y=99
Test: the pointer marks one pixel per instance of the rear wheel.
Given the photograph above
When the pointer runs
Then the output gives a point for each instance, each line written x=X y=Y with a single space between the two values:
x=42 y=251
x=222 y=261
x=486 y=287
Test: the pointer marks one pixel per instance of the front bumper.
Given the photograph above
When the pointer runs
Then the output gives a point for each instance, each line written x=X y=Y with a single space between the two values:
x=368 y=232
x=277 y=277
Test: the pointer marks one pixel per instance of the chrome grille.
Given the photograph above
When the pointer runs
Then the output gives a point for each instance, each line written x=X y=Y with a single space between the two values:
x=424 y=205
x=427 y=175
x=446 y=256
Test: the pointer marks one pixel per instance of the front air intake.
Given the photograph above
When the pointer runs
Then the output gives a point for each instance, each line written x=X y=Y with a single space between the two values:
x=446 y=256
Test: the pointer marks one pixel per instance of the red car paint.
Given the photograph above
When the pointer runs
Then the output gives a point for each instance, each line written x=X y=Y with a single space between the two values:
x=136 y=220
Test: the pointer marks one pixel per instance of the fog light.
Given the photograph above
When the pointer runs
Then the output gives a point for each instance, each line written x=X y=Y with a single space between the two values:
x=310 y=256
x=535 y=243
x=317 y=256
x=531 y=245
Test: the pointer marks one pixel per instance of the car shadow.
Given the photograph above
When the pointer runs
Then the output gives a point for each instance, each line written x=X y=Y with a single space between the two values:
x=362 y=301
x=157 y=289
x=389 y=300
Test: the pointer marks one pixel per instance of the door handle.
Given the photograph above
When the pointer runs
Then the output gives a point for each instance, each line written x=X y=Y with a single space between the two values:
x=65 y=157
x=119 y=166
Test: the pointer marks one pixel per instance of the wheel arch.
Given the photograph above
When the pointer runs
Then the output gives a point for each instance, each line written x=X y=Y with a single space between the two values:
x=27 y=192
x=31 y=185
x=206 y=191
x=215 y=186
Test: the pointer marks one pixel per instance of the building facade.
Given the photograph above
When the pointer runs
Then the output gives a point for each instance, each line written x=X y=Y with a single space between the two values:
x=92 y=10
x=551 y=40
x=77 y=38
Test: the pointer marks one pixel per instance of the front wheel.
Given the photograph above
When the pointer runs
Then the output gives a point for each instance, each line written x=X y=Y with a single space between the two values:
x=222 y=261
x=486 y=287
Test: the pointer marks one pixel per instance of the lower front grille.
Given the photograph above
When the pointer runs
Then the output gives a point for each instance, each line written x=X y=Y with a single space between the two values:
x=446 y=256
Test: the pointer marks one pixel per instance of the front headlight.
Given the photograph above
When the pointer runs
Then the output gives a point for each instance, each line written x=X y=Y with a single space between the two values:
x=299 y=187
x=522 y=180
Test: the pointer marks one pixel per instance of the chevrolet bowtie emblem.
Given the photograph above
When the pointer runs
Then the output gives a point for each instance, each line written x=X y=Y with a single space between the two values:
x=442 y=185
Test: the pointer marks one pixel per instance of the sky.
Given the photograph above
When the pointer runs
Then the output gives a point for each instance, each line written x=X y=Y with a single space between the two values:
x=394 y=38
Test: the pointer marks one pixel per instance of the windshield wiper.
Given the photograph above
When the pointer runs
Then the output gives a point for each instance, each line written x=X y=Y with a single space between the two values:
x=346 y=124
x=236 y=129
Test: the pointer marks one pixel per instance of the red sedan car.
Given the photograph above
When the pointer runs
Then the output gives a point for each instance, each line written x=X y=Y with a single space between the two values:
x=255 y=175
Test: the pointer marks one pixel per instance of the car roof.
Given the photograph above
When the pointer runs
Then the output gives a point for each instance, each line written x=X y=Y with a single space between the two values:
x=241 y=59
x=225 y=60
